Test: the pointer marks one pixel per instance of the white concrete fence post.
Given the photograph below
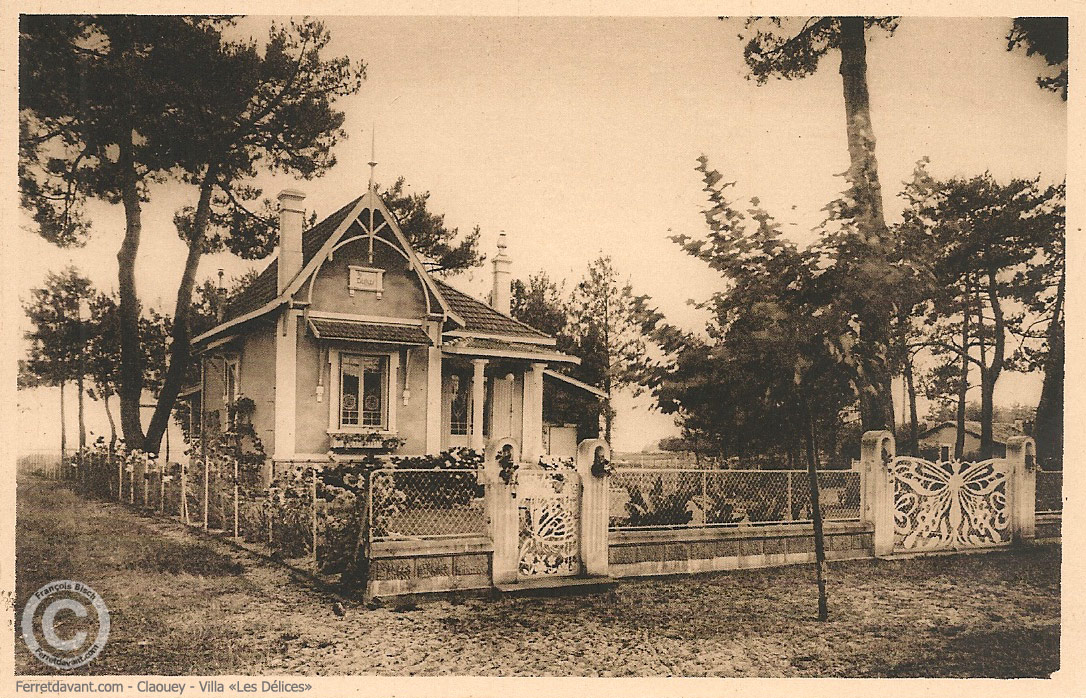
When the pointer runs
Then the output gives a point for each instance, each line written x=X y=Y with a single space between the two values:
x=1022 y=487
x=502 y=512
x=877 y=452
x=595 y=505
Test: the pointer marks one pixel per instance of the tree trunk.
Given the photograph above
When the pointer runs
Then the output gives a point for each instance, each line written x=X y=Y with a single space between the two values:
x=131 y=384
x=863 y=171
x=112 y=425
x=63 y=427
x=910 y=384
x=816 y=517
x=1048 y=425
x=181 y=336
x=914 y=424
x=877 y=409
x=991 y=374
x=82 y=411
x=963 y=380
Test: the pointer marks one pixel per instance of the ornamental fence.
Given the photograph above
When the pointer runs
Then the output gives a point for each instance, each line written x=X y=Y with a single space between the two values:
x=420 y=504
x=327 y=515
x=1049 y=492
x=313 y=513
x=653 y=498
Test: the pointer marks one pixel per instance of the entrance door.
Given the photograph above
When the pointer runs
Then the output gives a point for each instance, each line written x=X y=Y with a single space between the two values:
x=549 y=513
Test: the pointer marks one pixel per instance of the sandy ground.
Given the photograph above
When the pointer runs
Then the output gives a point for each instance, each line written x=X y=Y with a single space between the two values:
x=181 y=603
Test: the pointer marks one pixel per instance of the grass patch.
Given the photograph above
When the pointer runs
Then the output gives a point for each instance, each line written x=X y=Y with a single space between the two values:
x=172 y=557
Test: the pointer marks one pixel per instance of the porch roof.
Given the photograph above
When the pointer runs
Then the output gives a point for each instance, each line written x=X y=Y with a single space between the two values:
x=487 y=347
x=359 y=331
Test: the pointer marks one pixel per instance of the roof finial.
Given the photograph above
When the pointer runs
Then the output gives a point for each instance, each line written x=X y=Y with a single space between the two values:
x=373 y=166
x=373 y=152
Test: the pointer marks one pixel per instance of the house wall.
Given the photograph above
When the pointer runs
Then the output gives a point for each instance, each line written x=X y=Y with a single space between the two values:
x=257 y=381
x=312 y=418
x=402 y=297
x=411 y=418
x=947 y=435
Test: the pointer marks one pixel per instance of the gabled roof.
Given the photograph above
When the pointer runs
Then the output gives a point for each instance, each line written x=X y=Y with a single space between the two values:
x=480 y=317
x=1001 y=431
x=264 y=287
x=474 y=317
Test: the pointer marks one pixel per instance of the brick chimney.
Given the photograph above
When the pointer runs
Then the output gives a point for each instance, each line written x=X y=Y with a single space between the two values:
x=500 y=294
x=290 y=235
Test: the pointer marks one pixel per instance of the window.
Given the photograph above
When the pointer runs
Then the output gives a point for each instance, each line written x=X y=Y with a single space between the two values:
x=460 y=412
x=944 y=453
x=363 y=393
x=230 y=381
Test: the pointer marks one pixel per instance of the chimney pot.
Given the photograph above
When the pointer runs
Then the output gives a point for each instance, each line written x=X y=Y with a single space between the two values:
x=291 y=213
x=502 y=289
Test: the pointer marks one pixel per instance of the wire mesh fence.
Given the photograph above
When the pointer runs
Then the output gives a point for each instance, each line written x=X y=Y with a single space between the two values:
x=1049 y=492
x=418 y=504
x=44 y=463
x=649 y=498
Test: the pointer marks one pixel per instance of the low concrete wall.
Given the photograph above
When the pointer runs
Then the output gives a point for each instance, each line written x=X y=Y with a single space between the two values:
x=684 y=551
x=1049 y=528
x=429 y=566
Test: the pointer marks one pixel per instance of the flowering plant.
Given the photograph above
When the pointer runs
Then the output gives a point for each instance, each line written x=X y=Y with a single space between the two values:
x=555 y=463
x=508 y=465
x=601 y=466
x=376 y=440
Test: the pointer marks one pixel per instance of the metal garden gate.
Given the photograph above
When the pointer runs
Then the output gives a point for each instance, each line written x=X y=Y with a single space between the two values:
x=549 y=523
x=950 y=505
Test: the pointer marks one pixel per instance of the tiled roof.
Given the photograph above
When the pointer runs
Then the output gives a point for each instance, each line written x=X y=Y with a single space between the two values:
x=265 y=287
x=477 y=316
x=354 y=330
x=489 y=347
x=257 y=294
x=480 y=317
x=1001 y=431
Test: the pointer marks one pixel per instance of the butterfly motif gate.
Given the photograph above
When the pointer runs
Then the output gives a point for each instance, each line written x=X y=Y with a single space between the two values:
x=549 y=517
x=950 y=505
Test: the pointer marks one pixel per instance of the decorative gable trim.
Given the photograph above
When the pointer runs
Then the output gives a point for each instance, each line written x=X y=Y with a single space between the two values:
x=372 y=200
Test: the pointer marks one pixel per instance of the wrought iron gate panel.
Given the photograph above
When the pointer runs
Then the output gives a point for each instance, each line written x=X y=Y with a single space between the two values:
x=949 y=505
x=549 y=514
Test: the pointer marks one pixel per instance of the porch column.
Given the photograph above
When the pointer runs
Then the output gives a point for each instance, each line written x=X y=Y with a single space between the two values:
x=286 y=367
x=433 y=400
x=877 y=488
x=1022 y=488
x=478 y=399
x=532 y=434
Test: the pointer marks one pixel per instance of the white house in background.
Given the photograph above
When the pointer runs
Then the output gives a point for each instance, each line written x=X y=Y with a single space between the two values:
x=943 y=435
x=346 y=343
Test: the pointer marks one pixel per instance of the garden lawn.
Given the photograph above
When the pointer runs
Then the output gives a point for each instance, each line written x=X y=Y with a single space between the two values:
x=184 y=603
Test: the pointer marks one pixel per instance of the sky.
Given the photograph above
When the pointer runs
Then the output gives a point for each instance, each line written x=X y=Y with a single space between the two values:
x=579 y=136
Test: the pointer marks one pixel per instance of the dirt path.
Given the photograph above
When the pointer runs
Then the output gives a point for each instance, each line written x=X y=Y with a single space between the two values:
x=182 y=603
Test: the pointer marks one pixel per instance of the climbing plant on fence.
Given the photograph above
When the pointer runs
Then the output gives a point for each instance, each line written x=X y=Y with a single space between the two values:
x=316 y=510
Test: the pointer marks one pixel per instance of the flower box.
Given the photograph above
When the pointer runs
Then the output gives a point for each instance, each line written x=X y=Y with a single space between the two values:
x=380 y=441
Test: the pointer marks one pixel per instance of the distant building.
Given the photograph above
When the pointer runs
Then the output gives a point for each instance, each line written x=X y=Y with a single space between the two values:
x=938 y=441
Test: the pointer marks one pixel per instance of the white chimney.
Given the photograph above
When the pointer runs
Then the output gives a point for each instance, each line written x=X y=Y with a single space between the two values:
x=290 y=235
x=499 y=295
